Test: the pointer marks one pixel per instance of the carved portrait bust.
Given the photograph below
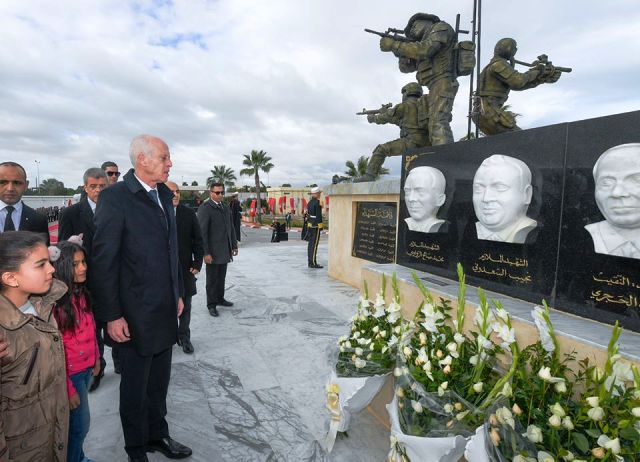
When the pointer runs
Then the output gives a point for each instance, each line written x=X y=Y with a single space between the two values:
x=617 y=193
x=424 y=195
x=502 y=193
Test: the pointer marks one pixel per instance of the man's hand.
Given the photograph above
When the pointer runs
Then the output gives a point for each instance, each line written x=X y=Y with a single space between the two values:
x=234 y=252
x=4 y=350
x=208 y=259
x=96 y=368
x=194 y=271
x=386 y=43
x=74 y=401
x=180 y=306
x=118 y=330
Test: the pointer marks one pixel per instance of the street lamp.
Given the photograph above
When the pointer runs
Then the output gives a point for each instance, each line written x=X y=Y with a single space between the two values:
x=37 y=175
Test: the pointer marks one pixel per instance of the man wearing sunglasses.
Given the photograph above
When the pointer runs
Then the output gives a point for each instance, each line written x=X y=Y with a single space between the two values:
x=111 y=169
x=220 y=245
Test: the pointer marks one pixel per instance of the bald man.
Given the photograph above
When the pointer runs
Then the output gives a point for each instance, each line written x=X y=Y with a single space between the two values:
x=424 y=195
x=617 y=183
x=502 y=193
x=139 y=292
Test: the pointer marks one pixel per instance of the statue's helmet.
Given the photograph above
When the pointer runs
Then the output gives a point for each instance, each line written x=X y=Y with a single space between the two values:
x=420 y=17
x=412 y=89
x=506 y=48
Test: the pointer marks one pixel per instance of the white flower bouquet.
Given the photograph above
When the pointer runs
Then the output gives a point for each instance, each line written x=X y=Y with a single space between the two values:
x=446 y=378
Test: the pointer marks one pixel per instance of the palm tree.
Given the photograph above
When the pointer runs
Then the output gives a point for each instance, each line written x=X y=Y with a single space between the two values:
x=359 y=169
x=222 y=174
x=256 y=162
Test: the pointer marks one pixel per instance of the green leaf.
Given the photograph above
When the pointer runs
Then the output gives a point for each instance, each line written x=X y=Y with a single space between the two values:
x=623 y=424
x=629 y=433
x=593 y=432
x=581 y=441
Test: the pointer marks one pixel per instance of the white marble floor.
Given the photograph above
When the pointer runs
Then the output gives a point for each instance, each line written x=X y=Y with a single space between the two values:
x=254 y=389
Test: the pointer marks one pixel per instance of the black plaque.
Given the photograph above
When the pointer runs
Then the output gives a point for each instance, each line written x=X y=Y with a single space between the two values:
x=597 y=285
x=374 y=235
x=558 y=260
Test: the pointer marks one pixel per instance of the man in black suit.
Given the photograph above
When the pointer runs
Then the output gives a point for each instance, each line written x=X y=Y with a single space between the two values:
x=236 y=214
x=139 y=293
x=78 y=219
x=190 y=254
x=220 y=245
x=14 y=214
x=314 y=210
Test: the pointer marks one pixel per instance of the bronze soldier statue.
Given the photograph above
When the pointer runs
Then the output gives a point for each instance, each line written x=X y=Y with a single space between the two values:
x=429 y=48
x=413 y=131
x=499 y=77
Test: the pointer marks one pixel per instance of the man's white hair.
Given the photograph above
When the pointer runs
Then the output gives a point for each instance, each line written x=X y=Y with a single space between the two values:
x=141 y=144
x=634 y=147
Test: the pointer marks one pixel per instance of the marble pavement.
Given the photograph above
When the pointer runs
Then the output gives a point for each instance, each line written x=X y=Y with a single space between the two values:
x=254 y=389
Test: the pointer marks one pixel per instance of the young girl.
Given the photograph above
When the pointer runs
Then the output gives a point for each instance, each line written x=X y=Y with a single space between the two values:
x=34 y=408
x=75 y=321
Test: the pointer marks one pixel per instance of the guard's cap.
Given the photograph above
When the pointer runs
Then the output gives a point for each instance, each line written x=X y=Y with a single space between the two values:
x=315 y=190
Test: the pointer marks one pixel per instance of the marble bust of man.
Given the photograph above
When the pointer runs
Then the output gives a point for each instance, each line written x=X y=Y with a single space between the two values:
x=502 y=193
x=617 y=179
x=424 y=195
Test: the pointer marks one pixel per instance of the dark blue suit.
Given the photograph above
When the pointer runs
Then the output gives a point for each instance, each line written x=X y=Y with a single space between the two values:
x=135 y=263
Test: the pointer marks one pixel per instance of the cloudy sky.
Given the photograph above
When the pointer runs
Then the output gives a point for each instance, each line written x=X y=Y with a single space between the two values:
x=217 y=79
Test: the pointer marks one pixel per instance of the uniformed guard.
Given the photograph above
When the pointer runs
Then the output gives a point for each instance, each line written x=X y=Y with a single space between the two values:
x=431 y=52
x=411 y=116
x=497 y=79
x=314 y=212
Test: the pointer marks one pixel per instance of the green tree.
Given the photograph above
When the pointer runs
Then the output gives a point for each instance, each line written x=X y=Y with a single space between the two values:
x=52 y=187
x=256 y=162
x=194 y=183
x=285 y=185
x=222 y=174
x=358 y=169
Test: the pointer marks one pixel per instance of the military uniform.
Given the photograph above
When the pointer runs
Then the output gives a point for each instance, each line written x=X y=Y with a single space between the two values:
x=433 y=57
x=411 y=119
x=497 y=79
x=314 y=211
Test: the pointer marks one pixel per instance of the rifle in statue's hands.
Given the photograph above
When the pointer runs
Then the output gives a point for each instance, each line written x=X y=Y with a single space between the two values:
x=543 y=62
x=383 y=108
x=395 y=34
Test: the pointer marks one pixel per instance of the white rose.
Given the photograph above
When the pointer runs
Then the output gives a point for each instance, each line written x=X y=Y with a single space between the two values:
x=416 y=406
x=545 y=457
x=423 y=338
x=505 y=417
x=569 y=456
x=473 y=360
x=359 y=351
x=400 y=392
x=555 y=421
x=534 y=434
x=383 y=333
x=507 y=391
x=567 y=423
x=560 y=387
x=407 y=352
x=397 y=330
x=636 y=411
x=462 y=415
x=607 y=443
x=545 y=374
x=375 y=329
x=356 y=334
x=556 y=409
x=448 y=408
x=593 y=401
x=397 y=372
x=360 y=363
x=477 y=387
x=459 y=338
x=596 y=414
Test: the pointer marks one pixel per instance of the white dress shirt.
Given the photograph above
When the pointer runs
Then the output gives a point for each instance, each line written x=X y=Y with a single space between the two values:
x=16 y=216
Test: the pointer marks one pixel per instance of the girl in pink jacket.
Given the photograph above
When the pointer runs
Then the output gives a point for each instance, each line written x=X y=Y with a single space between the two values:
x=75 y=321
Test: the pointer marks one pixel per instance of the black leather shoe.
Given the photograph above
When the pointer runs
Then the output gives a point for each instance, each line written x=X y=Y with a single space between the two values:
x=187 y=347
x=213 y=311
x=116 y=367
x=169 y=447
x=316 y=266
x=139 y=459
x=225 y=303
x=96 y=380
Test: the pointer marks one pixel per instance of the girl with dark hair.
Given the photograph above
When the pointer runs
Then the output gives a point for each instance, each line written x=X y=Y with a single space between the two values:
x=75 y=321
x=34 y=412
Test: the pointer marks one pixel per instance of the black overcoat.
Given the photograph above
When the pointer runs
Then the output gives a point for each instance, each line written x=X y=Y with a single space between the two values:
x=218 y=234
x=78 y=219
x=135 y=260
x=34 y=221
x=190 y=250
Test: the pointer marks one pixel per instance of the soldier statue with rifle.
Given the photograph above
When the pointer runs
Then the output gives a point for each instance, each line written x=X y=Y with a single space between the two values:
x=430 y=47
x=499 y=77
x=413 y=128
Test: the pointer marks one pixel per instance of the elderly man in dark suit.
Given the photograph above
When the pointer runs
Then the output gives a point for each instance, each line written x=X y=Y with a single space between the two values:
x=190 y=254
x=220 y=245
x=78 y=220
x=14 y=214
x=139 y=293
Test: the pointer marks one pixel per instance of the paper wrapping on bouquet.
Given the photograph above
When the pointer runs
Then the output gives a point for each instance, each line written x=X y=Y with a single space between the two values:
x=476 y=450
x=353 y=395
x=424 y=449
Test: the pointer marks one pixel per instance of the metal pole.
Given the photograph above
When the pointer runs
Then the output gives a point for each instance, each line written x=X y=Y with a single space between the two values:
x=473 y=39
x=37 y=175
x=479 y=19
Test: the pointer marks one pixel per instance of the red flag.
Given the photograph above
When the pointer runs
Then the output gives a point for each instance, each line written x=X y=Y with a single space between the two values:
x=252 y=208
